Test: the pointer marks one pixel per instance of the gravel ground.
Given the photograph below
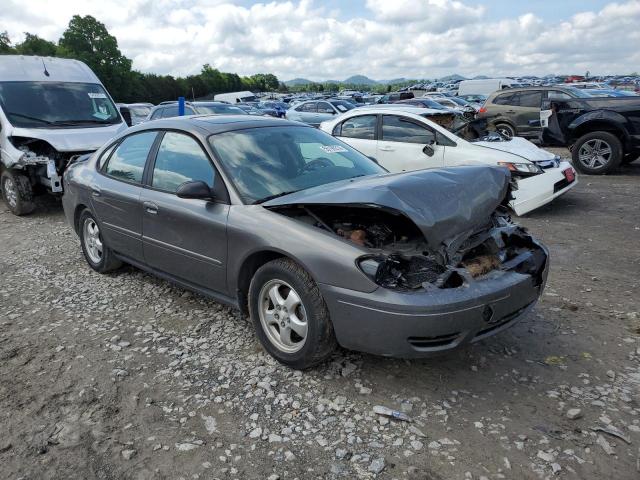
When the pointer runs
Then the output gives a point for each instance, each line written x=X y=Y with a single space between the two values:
x=125 y=376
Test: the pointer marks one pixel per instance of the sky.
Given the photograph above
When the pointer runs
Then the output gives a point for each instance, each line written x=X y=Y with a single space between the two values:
x=334 y=39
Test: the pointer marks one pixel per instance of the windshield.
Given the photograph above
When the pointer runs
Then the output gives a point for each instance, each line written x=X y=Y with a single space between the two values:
x=460 y=101
x=47 y=104
x=221 y=109
x=271 y=161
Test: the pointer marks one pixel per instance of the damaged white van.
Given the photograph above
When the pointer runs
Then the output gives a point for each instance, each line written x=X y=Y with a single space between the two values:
x=52 y=110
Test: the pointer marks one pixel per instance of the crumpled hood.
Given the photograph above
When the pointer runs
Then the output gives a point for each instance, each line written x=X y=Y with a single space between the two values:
x=445 y=204
x=72 y=139
x=519 y=146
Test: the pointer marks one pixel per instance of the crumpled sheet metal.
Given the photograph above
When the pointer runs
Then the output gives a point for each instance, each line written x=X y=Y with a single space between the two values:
x=445 y=204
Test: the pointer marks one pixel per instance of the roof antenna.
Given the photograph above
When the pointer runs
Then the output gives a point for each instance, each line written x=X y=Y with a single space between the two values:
x=45 y=67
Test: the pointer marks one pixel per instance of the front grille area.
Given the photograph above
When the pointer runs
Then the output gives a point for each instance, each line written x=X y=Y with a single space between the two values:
x=432 y=342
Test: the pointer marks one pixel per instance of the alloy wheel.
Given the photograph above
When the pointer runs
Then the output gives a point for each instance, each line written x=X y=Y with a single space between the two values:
x=595 y=153
x=10 y=192
x=92 y=240
x=282 y=316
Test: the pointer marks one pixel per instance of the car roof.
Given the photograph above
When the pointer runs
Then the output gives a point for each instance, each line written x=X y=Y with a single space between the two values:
x=398 y=109
x=211 y=124
x=26 y=68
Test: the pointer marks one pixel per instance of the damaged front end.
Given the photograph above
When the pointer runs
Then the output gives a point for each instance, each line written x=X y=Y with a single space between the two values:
x=426 y=230
x=39 y=160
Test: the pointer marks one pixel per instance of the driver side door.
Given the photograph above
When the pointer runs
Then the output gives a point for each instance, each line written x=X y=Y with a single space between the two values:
x=401 y=145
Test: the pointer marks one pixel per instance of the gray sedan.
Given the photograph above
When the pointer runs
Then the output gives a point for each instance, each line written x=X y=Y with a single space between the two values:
x=318 y=244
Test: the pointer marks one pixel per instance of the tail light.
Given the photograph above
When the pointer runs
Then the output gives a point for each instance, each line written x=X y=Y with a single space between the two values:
x=482 y=110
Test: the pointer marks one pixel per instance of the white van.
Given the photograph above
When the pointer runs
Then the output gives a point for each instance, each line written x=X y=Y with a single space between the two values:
x=485 y=86
x=236 y=97
x=52 y=110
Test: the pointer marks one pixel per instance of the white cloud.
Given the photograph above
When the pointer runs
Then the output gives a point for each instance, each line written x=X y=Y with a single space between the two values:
x=399 y=38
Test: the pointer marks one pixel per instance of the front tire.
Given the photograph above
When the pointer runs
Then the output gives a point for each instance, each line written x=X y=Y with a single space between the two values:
x=17 y=192
x=597 y=153
x=290 y=316
x=97 y=254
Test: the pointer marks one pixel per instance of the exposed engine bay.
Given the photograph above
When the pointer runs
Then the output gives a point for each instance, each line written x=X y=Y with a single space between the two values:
x=400 y=258
x=41 y=162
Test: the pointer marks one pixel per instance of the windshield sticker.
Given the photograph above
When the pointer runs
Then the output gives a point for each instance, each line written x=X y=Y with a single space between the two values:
x=333 y=149
x=96 y=95
x=342 y=108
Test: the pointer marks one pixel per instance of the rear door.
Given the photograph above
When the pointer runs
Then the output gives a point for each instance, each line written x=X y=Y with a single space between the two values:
x=309 y=113
x=186 y=238
x=116 y=199
x=401 y=145
x=360 y=133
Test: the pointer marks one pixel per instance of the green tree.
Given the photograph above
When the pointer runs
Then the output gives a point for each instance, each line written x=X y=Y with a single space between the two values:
x=5 y=43
x=88 y=40
x=34 y=45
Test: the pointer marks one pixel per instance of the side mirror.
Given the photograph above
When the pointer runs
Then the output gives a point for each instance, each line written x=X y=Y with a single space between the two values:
x=126 y=114
x=429 y=150
x=195 y=189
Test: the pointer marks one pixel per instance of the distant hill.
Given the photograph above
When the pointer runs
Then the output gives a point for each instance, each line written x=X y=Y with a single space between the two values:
x=452 y=78
x=297 y=81
x=360 y=80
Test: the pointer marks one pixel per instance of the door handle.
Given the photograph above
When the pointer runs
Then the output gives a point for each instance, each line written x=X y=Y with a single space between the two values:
x=510 y=111
x=150 y=207
x=387 y=149
x=95 y=191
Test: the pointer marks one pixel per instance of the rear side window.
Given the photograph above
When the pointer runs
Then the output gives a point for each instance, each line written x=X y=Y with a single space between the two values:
x=180 y=159
x=363 y=127
x=105 y=155
x=506 y=99
x=530 y=99
x=399 y=129
x=128 y=160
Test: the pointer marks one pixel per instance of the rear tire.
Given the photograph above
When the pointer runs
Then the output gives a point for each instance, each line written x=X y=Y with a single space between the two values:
x=506 y=130
x=97 y=254
x=597 y=153
x=295 y=328
x=17 y=192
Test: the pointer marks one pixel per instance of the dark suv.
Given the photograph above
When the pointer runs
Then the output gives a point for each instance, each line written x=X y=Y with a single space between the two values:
x=517 y=111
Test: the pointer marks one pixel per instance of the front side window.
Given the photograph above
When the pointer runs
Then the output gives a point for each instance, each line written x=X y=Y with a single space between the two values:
x=399 y=129
x=324 y=107
x=269 y=161
x=180 y=159
x=128 y=160
x=363 y=127
x=57 y=104
x=157 y=114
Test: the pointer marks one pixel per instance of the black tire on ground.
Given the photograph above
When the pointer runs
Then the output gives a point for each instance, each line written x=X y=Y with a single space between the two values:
x=604 y=142
x=320 y=340
x=17 y=192
x=106 y=261
x=506 y=129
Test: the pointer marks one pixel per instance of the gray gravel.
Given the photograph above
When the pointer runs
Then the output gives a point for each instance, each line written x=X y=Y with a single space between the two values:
x=126 y=376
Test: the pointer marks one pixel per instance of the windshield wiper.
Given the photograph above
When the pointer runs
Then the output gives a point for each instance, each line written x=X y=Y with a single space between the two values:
x=271 y=197
x=81 y=122
x=28 y=117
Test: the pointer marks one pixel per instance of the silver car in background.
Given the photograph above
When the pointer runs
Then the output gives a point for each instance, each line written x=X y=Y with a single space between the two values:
x=314 y=112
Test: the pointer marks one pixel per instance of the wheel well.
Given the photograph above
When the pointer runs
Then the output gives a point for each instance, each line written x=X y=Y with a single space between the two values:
x=597 y=126
x=251 y=264
x=76 y=217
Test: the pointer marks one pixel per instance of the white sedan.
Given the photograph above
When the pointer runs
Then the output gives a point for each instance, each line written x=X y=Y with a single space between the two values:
x=409 y=138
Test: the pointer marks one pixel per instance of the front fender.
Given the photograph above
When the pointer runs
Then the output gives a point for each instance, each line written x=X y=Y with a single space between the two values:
x=607 y=116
